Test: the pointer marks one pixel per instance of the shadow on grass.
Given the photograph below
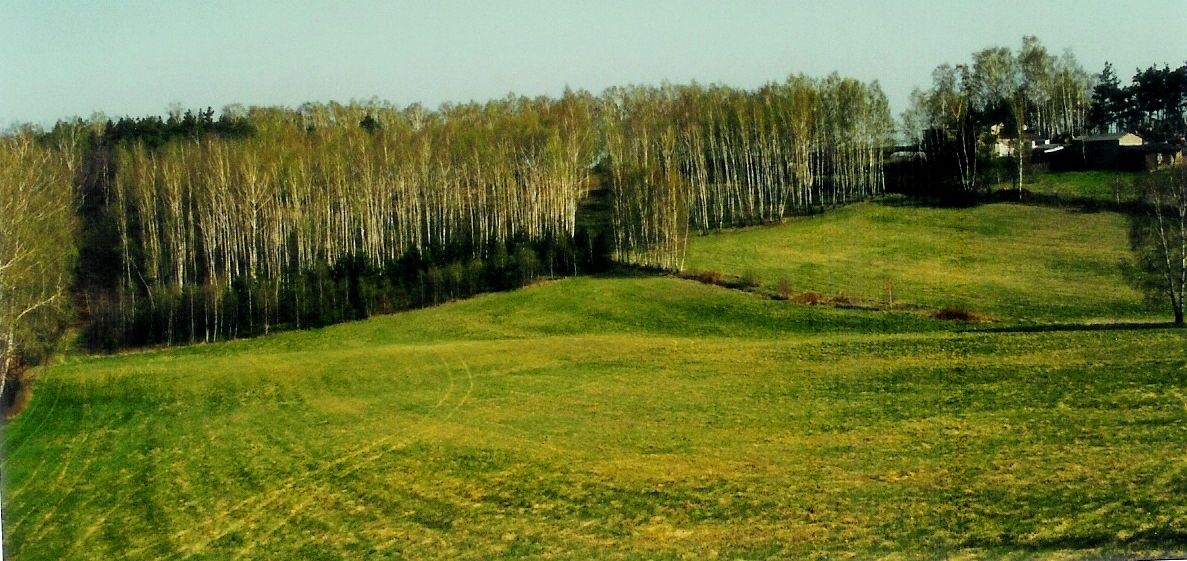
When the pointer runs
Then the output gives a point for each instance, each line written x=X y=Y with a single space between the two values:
x=901 y=200
x=1154 y=539
x=625 y=271
x=1053 y=327
x=1027 y=197
x=1075 y=203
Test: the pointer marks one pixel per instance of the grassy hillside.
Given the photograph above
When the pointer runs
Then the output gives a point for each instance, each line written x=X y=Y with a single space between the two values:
x=522 y=425
x=1013 y=262
x=1081 y=186
x=653 y=417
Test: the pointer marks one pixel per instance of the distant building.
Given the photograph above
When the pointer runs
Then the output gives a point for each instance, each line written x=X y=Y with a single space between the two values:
x=1113 y=139
x=1104 y=151
x=1004 y=146
x=1043 y=152
x=1037 y=144
x=1160 y=155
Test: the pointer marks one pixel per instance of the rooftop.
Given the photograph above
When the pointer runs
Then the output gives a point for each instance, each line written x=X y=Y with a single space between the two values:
x=1103 y=137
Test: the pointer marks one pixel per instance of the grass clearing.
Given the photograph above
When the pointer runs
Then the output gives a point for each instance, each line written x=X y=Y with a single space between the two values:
x=1104 y=187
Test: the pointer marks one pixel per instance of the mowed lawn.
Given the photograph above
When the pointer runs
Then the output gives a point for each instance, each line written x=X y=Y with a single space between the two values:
x=653 y=417
x=1017 y=263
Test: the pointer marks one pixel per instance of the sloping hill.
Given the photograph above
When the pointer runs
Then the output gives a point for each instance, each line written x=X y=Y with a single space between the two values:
x=1014 y=262
x=630 y=418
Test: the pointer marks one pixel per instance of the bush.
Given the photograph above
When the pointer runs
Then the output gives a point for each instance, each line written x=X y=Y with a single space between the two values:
x=845 y=300
x=748 y=280
x=958 y=314
x=707 y=277
x=784 y=290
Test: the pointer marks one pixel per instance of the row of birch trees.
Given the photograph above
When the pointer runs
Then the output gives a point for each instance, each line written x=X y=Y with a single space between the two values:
x=707 y=158
x=201 y=230
x=37 y=229
x=337 y=211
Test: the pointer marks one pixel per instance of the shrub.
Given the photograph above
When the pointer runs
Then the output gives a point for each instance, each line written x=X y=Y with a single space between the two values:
x=844 y=300
x=748 y=280
x=784 y=291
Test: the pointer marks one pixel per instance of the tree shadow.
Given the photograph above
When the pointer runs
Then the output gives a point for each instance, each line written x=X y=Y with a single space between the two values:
x=1056 y=327
x=1026 y=197
x=1164 y=539
x=627 y=271
x=900 y=200
x=1073 y=202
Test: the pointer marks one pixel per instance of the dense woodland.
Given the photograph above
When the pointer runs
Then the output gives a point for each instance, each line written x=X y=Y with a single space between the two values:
x=1154 y=104
x=327 y=213
x=194 y=228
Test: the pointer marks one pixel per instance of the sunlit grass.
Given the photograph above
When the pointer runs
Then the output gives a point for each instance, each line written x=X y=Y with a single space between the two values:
x=630 y=436
x=1013 y=262
x=1108 y=187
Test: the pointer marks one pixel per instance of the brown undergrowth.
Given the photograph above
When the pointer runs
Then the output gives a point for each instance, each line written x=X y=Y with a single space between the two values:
x=784 y=291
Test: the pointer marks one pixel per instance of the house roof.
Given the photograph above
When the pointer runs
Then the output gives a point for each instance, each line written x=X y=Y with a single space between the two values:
x=1104 y=137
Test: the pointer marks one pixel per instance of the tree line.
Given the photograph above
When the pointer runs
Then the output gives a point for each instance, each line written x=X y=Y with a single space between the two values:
x=38 y=225
x=707 y=158
x=330 y=212
x=999 y=92
x=1154 y=104
x=195 y=228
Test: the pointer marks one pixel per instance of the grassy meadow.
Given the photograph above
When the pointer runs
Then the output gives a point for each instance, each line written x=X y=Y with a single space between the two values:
x=1102 y=187
x=650 y=417
x=1011 y=262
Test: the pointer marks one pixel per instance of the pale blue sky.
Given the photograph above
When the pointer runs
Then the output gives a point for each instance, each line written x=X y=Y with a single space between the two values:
x=59 y=59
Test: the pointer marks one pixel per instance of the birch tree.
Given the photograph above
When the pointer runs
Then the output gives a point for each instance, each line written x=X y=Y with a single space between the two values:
x=1159 y=239
x=36 y=247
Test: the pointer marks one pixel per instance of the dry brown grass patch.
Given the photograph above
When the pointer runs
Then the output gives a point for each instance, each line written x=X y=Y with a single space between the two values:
x=707 y=277
x=845 y=300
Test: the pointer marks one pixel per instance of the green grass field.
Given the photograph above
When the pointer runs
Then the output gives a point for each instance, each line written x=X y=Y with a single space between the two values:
x=1012 y=262
x=1106 y=187
x=652 y=417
